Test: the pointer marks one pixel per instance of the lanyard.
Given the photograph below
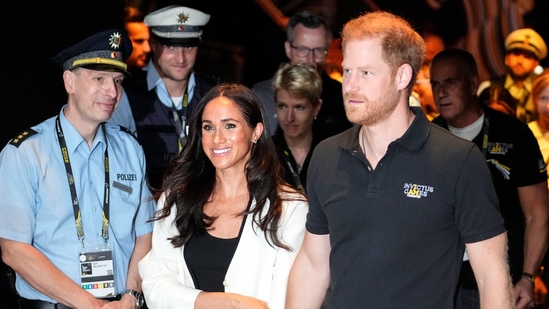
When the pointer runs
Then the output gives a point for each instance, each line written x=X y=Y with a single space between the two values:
x=295 y=175
x=180 y=125
x=70 y=178
x=505 y=171
x=485 y=129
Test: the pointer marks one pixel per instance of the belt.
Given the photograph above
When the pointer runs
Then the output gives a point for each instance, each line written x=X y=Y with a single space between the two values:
x=39 y=304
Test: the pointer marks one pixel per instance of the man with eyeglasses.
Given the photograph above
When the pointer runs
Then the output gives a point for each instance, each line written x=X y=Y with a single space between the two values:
x=307 y=40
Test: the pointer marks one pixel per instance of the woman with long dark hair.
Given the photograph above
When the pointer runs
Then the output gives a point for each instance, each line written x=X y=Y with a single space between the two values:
x=228 y=228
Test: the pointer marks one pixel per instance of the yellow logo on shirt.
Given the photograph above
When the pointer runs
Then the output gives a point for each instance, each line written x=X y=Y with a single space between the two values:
x=414 y=190
x=499 y=148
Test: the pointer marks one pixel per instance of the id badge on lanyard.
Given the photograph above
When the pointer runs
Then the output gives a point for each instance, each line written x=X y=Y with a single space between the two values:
x=97 y=261
x=97 y=274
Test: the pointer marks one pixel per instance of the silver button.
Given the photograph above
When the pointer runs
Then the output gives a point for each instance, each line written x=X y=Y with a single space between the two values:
x=226 y=282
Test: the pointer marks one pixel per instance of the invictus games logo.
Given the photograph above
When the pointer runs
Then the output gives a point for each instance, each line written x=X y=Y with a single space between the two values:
x=417 y=191
x=499 y=148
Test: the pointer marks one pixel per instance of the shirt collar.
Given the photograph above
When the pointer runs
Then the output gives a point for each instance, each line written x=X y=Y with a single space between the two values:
x=153 y=78
x=154 y=81
x=413 y=138
x=73 y=139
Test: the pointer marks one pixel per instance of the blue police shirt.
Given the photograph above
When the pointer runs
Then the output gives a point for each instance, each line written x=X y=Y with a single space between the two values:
x=35 y=199
x=123 y=114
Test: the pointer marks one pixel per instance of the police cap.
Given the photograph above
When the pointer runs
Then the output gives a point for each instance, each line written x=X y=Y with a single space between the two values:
x=527 y=39
x=103 y=51
x=177 y=25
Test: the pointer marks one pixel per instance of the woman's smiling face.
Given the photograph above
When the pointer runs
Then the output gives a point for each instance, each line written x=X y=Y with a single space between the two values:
x=227 y=138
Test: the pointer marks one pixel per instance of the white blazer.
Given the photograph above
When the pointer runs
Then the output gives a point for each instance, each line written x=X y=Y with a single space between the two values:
x=256 y=270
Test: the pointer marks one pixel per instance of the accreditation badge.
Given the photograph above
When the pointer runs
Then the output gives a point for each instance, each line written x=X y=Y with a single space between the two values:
x=97 y=270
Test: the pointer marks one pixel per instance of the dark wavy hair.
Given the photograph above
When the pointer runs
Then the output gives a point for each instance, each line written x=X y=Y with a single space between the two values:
x=190 y=179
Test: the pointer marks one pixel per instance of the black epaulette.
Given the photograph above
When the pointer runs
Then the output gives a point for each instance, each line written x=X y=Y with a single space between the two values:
x=16 y=141
x=124 y=129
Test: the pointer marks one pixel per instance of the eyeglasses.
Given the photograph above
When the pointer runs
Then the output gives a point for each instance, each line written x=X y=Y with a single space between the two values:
x=302 y=51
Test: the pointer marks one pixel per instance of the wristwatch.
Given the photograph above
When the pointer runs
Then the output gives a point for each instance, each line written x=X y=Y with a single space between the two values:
x=139 y=299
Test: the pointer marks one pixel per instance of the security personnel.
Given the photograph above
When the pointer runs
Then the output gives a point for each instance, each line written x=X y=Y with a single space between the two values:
x=159 y=106
x=74 y=200
x=518 y=171
x=525 y=49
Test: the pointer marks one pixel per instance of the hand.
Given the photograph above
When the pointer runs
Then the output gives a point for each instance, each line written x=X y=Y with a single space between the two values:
x=126 y=302
x=245 y=302
x=524 y=294
x=540 y=291
x=211 y=300
x=94 y=303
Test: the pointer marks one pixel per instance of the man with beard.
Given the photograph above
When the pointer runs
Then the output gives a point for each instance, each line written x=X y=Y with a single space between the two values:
x=395 y=200
x=139 y=34
x=525 y=49
x=515 y=162
x=158 y=106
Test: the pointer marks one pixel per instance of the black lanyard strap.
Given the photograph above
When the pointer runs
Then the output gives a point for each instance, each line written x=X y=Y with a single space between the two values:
x=181 y=122
x=295 y=175
x=72 y=186
x=485 y=131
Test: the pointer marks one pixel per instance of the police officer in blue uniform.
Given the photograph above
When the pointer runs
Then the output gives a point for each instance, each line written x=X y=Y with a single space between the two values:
x=159 y=105
x=74 y=199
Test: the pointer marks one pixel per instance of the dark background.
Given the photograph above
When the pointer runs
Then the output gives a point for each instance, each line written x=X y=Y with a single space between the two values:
x=241 y=43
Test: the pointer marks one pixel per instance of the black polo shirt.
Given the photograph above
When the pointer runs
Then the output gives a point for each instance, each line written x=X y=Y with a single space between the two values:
x=398 y=232
x=514 y=160
x=288 y=159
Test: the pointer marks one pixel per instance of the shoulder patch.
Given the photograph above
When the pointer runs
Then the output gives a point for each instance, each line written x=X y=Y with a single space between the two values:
x=124 y=129
x=16 y=141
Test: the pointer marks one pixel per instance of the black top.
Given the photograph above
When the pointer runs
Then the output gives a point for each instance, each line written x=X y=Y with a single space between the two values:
x=208 y=259
x=292 y=174
x=514 y=160
x=398 y=232
x=331 y=118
